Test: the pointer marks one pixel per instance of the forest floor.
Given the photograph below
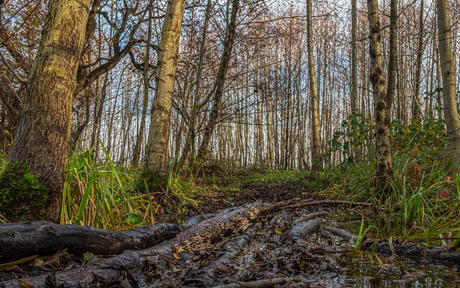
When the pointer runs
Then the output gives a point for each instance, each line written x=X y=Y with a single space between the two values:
x=266 y=251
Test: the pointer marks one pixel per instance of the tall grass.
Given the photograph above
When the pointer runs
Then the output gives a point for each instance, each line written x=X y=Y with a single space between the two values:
x=103 y=195
x=100 y=195
x=424 y=192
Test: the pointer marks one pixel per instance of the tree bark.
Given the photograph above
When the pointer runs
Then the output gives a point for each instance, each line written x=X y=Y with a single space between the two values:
x=199 y=237
x=303 y=230
x=392 y=65
x=24 y=239
x=145 y=99
x=354 y=72
x=384 y=161
x=224 y=63
x=156 y=158
x=196 y=105
x=416 y=100
x=448 y=82
x=43 y=135
x=315 y=140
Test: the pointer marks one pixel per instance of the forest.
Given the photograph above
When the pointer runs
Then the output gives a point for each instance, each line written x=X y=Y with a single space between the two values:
x=229 y=143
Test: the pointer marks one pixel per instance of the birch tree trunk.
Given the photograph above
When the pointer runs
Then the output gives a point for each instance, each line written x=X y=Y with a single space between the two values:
x=316 y=141
x=416 y=100
x=228 y=45
x=156 y=158
x=145 y=99
x=448 y=82
x=392 y=65
x=354 y=70
x=43 y=135
x=384 y=160
x=196 y=105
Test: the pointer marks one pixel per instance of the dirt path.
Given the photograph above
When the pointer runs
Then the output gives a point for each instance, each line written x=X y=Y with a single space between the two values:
x=267 y=250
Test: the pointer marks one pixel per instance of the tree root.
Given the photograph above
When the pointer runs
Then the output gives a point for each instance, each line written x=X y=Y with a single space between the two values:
x=256 y=284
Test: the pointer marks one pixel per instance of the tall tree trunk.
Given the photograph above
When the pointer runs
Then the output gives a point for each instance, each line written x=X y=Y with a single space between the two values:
x=145 y=99
x=43 y=135
x=439 y=80
x=448 y=82
x=384 y=159
x=196 y=105
x=224 y=63
x=416 y=100
x=316 y=141
x=392 y=65
x=98 y=117
x=158 y=140
x=354 y=71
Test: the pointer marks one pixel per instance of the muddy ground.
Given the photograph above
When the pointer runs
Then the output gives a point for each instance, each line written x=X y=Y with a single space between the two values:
x=265 y=250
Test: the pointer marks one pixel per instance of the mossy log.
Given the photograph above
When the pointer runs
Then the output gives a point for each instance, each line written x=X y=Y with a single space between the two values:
x=209 y=275
x=20 y=240
x=419 y=253
x=131 y=265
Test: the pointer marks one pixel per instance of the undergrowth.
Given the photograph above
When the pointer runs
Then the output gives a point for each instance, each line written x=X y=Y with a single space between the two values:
x=425 y=193
x=105 y=195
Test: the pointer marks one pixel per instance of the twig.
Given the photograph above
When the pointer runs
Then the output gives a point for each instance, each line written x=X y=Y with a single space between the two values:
x=20 y=79
x=319 y=202
x=277 y=206
x=256 y=284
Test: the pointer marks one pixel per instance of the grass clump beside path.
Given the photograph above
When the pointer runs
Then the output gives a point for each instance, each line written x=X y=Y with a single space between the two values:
x=424 y=194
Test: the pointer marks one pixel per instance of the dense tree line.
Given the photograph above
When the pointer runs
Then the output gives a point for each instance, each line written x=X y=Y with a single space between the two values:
x=167 y=85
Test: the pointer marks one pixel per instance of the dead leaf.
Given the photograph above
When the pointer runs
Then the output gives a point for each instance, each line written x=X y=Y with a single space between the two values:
x=14 y=269
x=415 y=274
x=87 y=280
x=125 y=284
x=443 y=193
x=38 y=262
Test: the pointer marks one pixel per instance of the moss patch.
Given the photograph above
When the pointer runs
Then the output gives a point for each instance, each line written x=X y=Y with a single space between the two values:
x=22 y=196
x=155 y=182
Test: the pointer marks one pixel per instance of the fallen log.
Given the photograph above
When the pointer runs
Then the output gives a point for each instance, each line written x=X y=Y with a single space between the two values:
x=206 y=275
x=313 y=216
x=19 y=240
x=256 y=284
x=277 y=206
x=131 y=265
x=409 y=251
x=321 y=202
x=341 y=233
x=416 y=252
x=303 y=230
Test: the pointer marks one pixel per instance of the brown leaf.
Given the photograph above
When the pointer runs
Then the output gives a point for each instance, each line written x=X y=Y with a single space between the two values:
x=443 y=193
x=14 y=268
x=125 y=284
x=415 y=274
x=87 y=280
x=416 y=169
